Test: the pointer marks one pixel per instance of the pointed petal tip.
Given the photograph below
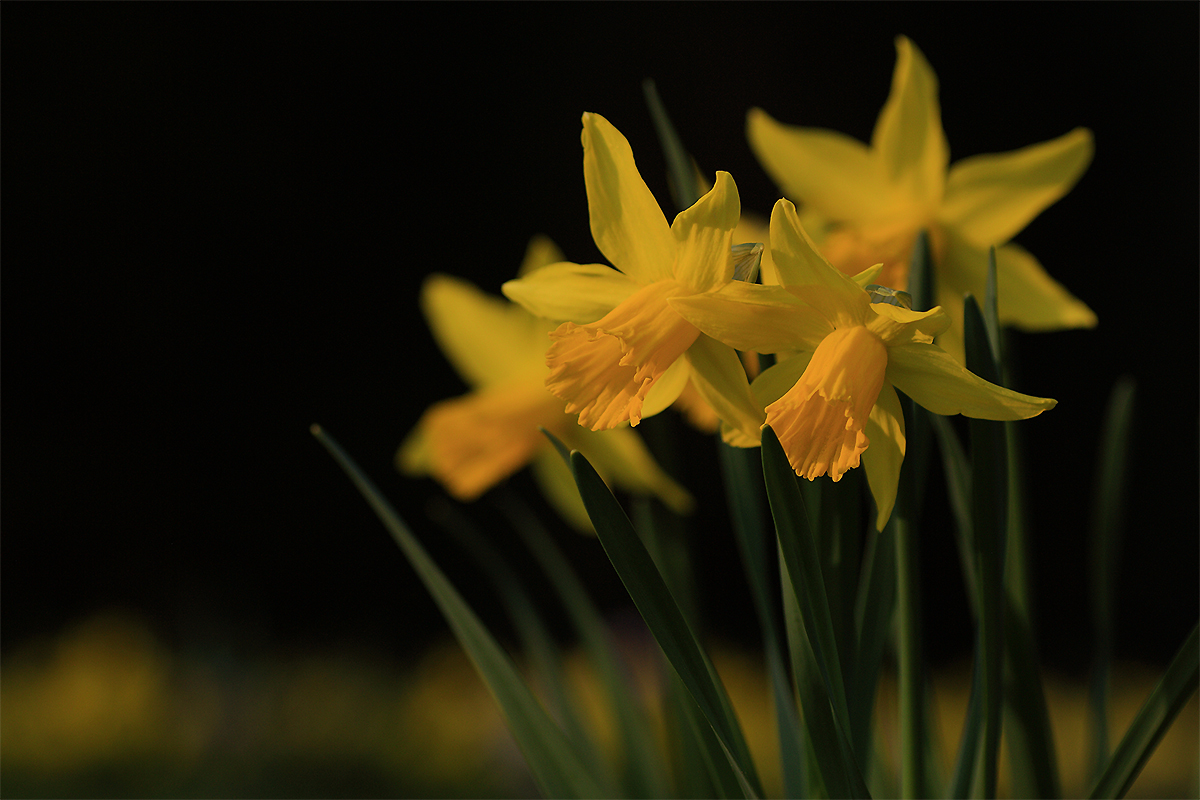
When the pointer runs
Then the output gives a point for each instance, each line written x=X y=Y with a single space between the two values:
x=783 y=206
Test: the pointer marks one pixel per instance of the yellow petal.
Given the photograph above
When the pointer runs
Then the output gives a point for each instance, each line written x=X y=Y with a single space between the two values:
x=577 y=292
x=841 y=310
x=951 y=339
x=868 y=276
x=705 y=234
x=486 y=338
x=991 y=198
x=718 y=376
x=796 y=257
x=540 y=252
x=931 y=377
x=481 y=438
x=908 y=134
x=832 y=173
x=885 y=429
x=820 y=420
x=1028 y=298
x=895 y=325
x=627 y=223
x=605 y=370
x=759 y=319
x=623 y=460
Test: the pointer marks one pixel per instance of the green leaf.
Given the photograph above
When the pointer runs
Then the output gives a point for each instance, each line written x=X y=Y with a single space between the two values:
x=744 y=491
x=1033 y=763
x=700 y=746
x=536 y=640
x=913 y=718
x=968 y=743
x=1027 y=730
x=904 y=529
x=873 y=614
x=920 y=275
x=558 y=769
x=1108 y=506
x=989 y=508
x=681 y=170
x=1173 y=691
x=826 y=758
x=991 y=316
x=646 y=776
x=664 y=618
x=839 y=538
x=803 y=565
x=691 y=754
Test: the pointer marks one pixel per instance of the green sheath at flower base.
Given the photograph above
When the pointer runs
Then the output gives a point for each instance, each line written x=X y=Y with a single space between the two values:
x=831 y=396
x=624 y=352
x=867 y=204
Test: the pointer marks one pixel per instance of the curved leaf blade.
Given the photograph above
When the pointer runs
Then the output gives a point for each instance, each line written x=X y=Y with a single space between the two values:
x=558 y=769
x=663 y=617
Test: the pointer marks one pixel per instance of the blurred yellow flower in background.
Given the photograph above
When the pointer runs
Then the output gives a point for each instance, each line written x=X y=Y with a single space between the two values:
x=866 y=205
x=471 y=443
x=831 y=394
x=104 y=708
x=625 y=354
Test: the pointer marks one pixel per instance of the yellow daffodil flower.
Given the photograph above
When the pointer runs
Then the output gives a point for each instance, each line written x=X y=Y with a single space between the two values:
x=625 y=353
x=831 y=398
x=866 y=205
x=473 y=442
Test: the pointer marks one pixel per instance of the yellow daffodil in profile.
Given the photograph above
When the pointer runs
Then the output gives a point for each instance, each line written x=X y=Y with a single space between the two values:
x=844 y=350
x=473 y=442
x=866 y=204
x=624 y=353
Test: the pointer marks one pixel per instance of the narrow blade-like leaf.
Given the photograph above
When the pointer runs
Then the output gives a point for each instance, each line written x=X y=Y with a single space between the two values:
x=989 y=506
x=1108 y=502
x=744 y=490
x=803 y=564
x=1173 y=691
x=558 y=769
x=685 y=185
x=646 y=776
x=535 y=638
x=664 y=618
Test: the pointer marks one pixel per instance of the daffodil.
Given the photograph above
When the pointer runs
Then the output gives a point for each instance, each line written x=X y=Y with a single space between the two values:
x=866 y=204
x=624 y=353
x=471 y=443
x=831 y=398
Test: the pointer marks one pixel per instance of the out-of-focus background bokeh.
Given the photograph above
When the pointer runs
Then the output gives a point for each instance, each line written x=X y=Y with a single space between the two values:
x=216 y=222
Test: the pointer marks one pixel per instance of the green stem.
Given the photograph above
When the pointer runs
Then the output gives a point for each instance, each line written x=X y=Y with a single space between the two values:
x=912 y=679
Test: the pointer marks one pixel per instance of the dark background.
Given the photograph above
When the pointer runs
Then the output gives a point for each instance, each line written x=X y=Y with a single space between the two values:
x=217 y=218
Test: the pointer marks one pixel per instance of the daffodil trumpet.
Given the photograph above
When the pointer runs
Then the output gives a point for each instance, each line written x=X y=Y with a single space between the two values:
x=624 y=352
x=844 y=346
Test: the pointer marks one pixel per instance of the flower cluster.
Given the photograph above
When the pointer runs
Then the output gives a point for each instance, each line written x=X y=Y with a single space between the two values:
x=670 y=315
